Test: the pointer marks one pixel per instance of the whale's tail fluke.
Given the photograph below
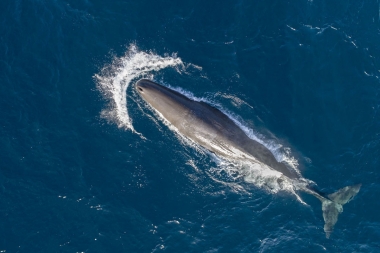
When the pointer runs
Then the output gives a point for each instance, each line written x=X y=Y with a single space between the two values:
x=333 y=206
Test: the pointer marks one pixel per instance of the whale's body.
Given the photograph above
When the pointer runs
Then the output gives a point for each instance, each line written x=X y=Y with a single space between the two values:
x=207 y=126
x=215 y=131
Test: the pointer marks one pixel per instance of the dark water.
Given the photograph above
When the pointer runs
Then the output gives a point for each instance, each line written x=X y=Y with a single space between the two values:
x=304 y=74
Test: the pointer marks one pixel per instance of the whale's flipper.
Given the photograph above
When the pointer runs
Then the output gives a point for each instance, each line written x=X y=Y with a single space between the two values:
x=333 y=206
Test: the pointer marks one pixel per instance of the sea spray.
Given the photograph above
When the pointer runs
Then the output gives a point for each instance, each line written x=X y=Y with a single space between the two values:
x=115 y=78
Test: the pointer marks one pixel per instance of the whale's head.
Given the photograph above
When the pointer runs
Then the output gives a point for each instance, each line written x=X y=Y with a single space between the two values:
x=149 y=90
x=166 y=101
x=153 y=93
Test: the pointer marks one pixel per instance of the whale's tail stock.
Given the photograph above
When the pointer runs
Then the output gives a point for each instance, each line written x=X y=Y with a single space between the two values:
x=333 y=206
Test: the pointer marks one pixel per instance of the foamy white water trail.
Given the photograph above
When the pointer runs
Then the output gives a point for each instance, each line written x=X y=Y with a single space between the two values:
x=115 y=78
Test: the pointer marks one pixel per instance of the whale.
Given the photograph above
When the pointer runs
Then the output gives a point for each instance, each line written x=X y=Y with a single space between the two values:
x=212 y=129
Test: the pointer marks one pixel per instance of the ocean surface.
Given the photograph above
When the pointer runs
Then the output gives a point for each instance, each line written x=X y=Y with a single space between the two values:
x=86 y=166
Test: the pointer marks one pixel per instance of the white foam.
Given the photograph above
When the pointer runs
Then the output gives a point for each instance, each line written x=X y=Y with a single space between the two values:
x=115 y=78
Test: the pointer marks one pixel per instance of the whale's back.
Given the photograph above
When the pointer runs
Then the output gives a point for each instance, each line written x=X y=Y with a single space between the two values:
x=207 y=126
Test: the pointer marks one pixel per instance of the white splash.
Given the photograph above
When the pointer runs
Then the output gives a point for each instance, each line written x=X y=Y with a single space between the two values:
x=115 y=78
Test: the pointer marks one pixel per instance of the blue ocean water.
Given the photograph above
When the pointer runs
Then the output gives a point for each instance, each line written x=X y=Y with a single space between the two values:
x=87 y=167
